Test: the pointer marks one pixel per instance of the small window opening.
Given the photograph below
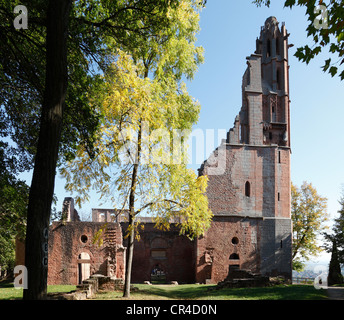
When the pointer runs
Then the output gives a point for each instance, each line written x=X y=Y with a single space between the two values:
x=279 y=156
x=234 y=256
x=247 y=189
x=83 y=238
x=270 y=135
x=235 y=240
x=278 y=196
x=281 y=244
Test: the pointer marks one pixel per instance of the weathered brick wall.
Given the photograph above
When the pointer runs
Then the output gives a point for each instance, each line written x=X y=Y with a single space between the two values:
x=67 y=241
x=266 y=212
x=231 y=241
x=173 y=253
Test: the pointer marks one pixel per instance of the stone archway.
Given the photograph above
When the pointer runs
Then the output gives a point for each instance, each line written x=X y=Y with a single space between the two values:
x=84 y=266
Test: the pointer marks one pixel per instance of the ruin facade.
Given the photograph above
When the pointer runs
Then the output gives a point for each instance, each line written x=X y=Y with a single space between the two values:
x=250 y=199
x=248 y=192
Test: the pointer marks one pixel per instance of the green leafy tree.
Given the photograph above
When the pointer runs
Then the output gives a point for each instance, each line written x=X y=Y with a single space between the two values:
x=337 y=235
x=141 y=162
x=67 y=42
x=338 y=231
x=334 y=272
x=326 y=27
x=308 y=212
x=13 y=207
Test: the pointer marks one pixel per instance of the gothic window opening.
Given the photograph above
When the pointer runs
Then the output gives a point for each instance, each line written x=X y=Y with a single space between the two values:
x=277 y=46
x=278 y=76
x=247 y=189
x=268 y=48
x=234 y=256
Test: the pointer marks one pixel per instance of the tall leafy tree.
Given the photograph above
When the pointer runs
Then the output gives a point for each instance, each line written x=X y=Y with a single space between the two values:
x=66 y=42
x=308 y=212
x=337 y=235
x=326 y=27
x=140 y=163
x=13 y=207
x=334 y=273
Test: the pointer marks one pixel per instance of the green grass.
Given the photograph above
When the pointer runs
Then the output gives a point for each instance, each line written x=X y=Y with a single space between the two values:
x=8 y=292
x=188 y=292
x=202 y=292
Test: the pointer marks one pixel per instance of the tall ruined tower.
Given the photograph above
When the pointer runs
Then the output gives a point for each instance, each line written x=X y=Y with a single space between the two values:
x=249 y=173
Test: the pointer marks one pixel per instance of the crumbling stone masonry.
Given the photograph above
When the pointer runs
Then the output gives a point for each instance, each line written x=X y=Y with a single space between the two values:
x=73 y=257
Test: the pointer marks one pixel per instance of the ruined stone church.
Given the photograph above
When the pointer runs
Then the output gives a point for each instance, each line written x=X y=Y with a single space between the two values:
x=249 y=197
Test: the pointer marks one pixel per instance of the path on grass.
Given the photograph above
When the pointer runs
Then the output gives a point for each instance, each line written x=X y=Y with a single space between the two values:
x=335 y=293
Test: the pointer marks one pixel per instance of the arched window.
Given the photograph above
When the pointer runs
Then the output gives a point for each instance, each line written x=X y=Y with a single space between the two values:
x=278 y=76
x=268 y=48
x=247 y=189
x=84 y=266
x=234 y=256
x=277 y=46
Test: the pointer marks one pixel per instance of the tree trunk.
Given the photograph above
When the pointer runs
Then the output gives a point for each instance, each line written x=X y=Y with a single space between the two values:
x=334 y=272
x=131 y=237
x=42 y=185
x=129 y=260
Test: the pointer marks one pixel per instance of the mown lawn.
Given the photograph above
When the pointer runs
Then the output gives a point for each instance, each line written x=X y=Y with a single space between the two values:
x=207 y=292
x=188 y=292
x=8 y=292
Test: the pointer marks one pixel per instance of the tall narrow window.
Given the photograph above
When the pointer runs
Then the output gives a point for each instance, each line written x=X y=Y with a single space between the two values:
x=247 y=189
x=278 y=76
x=268 y=48
x=279 y=156
x=278 y=196
x=277 y=46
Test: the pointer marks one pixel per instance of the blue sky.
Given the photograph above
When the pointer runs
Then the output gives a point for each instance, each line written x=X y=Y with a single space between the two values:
x=228 y=33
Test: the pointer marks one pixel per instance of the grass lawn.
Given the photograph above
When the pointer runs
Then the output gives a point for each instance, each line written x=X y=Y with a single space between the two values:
x=8 y=292
x=188 y=291
x=202 y=292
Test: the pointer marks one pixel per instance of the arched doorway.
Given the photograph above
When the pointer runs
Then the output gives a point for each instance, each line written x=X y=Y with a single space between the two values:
x=84 y=266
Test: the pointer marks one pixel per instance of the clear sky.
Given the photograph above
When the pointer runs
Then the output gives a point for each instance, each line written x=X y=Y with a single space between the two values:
x=228 y=33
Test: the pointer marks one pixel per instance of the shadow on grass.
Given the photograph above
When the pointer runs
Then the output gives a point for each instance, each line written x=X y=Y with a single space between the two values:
x=291 y=292
x=6 y=284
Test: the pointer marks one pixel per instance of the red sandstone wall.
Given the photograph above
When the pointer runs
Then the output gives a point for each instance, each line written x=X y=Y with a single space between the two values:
x=267 y=170
x=65 y=246
x=216 y=247
x=177 y=256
